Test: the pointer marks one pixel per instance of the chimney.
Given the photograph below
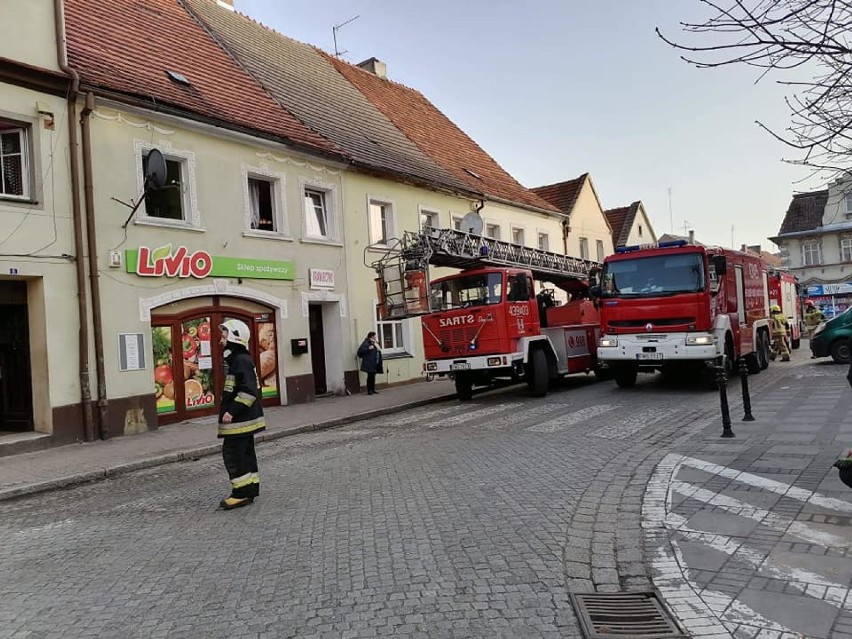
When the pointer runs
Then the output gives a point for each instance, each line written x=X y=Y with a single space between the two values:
x=692 y=237
x=374 y=66
x=226 y=4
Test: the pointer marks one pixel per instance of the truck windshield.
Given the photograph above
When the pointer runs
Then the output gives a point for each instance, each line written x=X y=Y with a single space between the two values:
x=653 y=276
x=467 y=290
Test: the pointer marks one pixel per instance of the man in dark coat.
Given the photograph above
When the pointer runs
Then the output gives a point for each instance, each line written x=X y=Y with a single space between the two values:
x=240 y=415
x=371 y=360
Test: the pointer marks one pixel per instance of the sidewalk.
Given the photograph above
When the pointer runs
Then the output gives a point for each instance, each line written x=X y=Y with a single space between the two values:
x=61 y=466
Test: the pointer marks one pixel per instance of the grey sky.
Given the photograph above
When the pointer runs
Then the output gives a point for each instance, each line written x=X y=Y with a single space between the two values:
x=554 y=88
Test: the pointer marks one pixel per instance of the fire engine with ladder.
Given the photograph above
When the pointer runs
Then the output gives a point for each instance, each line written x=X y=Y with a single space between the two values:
x=487 y=322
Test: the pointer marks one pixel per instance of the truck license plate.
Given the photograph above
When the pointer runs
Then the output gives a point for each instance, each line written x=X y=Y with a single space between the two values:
x=649 y=356
x=460 y=366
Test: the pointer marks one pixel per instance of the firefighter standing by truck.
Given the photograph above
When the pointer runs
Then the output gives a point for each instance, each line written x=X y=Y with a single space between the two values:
x=813 y=317
x=780 y=333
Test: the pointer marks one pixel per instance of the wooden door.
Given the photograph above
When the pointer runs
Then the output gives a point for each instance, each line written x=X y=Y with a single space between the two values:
x=16 y=395
x=317 y=347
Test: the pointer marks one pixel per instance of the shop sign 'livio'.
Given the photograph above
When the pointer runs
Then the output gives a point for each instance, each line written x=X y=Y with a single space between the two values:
x=181 y=262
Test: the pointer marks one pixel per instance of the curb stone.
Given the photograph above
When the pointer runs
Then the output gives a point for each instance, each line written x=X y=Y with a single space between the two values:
x=193 y=454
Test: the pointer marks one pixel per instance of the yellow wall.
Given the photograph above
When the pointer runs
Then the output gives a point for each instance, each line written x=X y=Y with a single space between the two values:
x=220 y=163
x=588 y=220
x=35 y=236
x=27 y=32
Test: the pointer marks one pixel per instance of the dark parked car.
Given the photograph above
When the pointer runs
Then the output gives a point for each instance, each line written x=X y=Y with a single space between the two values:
x=834 y=338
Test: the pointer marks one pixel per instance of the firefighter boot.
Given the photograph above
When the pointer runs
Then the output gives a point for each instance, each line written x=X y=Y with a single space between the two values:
x=785 y=358
x=229 y=503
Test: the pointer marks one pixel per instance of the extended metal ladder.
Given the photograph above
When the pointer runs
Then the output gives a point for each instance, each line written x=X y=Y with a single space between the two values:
x=404 y=265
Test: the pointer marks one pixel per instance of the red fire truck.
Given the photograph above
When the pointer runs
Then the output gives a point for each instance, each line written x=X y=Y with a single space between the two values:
x=487 y=322
x=677 y=305
x=784 y=291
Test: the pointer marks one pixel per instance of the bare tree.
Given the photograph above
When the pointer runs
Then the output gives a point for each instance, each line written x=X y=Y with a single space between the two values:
x=806 y=45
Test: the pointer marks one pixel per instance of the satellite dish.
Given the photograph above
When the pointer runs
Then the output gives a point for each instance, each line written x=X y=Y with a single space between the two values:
x=155 y=170
x=472 y=223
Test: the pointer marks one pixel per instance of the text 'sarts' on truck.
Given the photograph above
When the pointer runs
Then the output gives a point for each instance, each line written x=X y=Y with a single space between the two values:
x=680 y=307
x=509 y=314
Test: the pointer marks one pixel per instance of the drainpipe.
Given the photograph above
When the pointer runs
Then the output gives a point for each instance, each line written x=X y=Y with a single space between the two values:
x=76 y=216
x=91 y=239
x=566 y=229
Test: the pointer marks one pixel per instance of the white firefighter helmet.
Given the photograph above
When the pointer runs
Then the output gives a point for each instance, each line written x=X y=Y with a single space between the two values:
x=238 y=332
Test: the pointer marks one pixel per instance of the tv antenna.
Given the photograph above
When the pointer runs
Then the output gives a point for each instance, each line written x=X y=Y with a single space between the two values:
x=334 y=31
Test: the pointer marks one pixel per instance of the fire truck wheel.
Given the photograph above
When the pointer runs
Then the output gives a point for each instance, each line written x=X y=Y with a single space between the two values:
x=730 y=361
x=625 y=376
x=464 y=386
x=763 y=350
x=795 y=343
x=841 y=351
x=753 y=362
x=537 y=373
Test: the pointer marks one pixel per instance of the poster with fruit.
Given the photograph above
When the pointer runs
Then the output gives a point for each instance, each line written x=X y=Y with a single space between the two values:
x=164 y=384
x=267 y=356
x=197 y=364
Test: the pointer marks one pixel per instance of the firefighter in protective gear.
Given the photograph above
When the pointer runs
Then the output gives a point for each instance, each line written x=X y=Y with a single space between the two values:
x=780 y=332
x=240 y=415
x=813 y=317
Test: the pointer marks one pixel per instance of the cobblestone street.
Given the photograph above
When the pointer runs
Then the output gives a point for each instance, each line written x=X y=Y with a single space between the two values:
x=451 y=520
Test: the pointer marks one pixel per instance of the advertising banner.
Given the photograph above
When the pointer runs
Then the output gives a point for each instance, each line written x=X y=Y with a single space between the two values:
x=166 y=261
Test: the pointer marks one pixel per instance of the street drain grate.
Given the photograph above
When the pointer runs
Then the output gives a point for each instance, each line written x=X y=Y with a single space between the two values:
x=624 y=615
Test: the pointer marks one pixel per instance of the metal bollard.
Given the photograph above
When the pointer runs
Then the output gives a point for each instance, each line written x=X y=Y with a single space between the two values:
x=722 y=381
x=747 y=416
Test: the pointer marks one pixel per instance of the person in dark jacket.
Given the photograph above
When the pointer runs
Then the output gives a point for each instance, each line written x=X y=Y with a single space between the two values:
x=371 y=360
x=240 y=415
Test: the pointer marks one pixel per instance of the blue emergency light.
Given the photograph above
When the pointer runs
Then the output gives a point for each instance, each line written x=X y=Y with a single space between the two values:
x=639 y=247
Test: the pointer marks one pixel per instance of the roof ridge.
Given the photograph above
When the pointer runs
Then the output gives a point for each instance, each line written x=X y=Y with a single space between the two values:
x=580 y=177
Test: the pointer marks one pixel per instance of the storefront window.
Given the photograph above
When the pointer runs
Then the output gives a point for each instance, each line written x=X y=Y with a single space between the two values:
x=197 y=364
x=267 y=359
x=164 y=383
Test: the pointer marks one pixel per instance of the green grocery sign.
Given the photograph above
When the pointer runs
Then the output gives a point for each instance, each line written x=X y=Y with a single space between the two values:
x=180 y=262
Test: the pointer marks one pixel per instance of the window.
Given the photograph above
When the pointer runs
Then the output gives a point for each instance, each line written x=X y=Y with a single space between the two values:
x=14 y=165
x=429 y=219
x=846 y=249
x=849 y=202
x=381 y=221
x=517 y=236
x=640 y=230
x=543 y=242
x=166 y=203
x=262 y=205
x=390 y=333
x=811 y=253
x=492 y=231
x=316 y=213
x=584 y=248
x=457 y=222
x=600 y=247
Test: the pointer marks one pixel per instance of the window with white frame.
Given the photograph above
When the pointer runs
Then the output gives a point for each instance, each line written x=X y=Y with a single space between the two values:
x=457 y=222
x=263 y=204
x=811 y=253
x=846 y=249
x=492 y=231
x=381 y=221
x=848 y=203
x=517 y=235
x=317 y=215
x=600 y=246
x=390 y=333
x=429 y=219
x=543 y=241
x=14 y=161
x=584 y=248
x=175 y=202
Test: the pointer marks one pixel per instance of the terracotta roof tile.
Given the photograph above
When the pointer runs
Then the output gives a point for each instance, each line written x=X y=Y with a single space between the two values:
x=438 y=137
x=128 y=46
x=303 y=80
x=805 y=212
x=621 y=221
x=562 y=195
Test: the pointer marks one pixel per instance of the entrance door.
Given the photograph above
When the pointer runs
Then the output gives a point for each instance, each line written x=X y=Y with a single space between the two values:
x=16 y=399
x=317 y=348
